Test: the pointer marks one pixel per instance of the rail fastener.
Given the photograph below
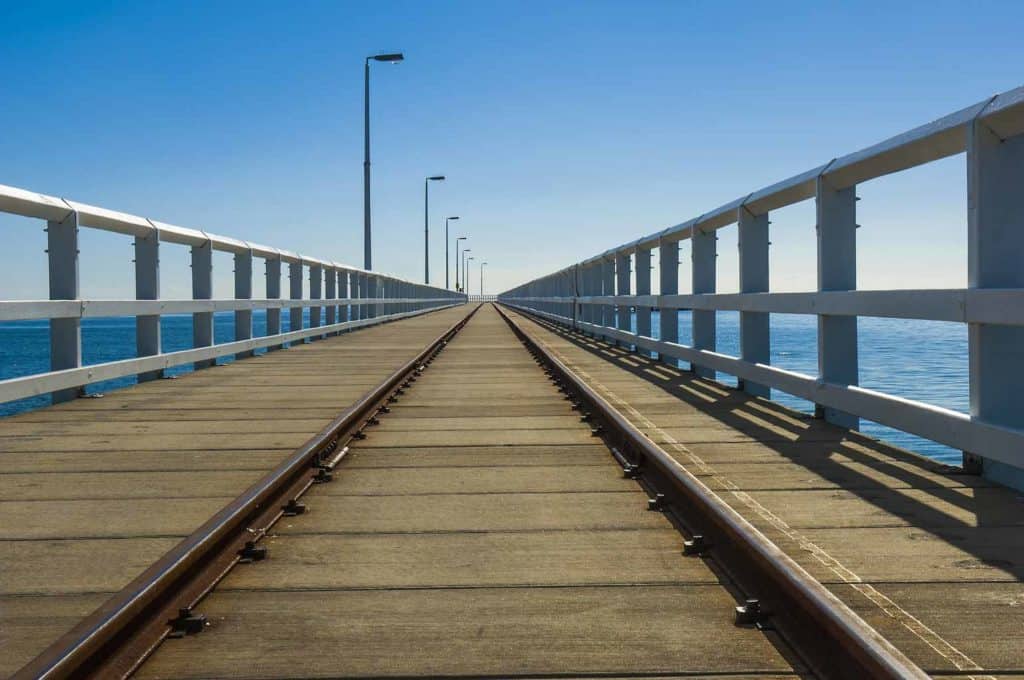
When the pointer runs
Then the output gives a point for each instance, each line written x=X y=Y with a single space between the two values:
x=697 y=545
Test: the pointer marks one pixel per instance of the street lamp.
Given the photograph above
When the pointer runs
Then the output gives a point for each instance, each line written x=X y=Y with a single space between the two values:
x=482 y=277
x=426 y=225
x=394 y=59
x=446 y=249
x=465 y=272
x=461 y=238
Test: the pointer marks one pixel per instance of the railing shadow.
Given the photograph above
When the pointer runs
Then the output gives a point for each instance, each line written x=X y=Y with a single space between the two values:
x=815 y=445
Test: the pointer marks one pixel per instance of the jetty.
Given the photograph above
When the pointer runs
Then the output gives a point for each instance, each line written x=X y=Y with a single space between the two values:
x=401 y=480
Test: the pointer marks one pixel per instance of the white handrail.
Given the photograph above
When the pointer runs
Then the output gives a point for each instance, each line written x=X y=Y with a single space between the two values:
x=595 y=296
x=340 y=297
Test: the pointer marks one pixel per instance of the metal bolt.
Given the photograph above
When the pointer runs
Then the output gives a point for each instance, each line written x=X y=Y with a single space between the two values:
x=657 y=503
x=186 y=623
x=695 y=546
x=749 y=613
x=293 y=508
x=252 y=552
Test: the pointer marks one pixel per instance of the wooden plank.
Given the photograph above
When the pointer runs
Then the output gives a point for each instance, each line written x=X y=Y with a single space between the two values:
x=553 y=478
x=477 y=631
x=107 y=518
x=482 y=512
x=124 y=485
x=134 y=461
x=474 y=456
x=331 y=562
x=43 y=567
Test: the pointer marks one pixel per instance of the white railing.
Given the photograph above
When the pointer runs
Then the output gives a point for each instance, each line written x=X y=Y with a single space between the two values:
x=340 y=297
x=595 y=295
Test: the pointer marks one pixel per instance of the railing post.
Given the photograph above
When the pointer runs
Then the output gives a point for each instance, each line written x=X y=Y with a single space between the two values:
x=147 y=287
x=273 y=273
x=837 y=270
x=364 y=294
x=372 y=292
x=243 y=291
x=202 y=289
x=622 y=271
x=65 y=334
x=995 y=251
x=643 y=287
x=315 y=285
x=576 y=285
x=608 y=288
x=755 y=339
x=586 y=274
x=331 y=295
x=355 y=294
x=295 y=293
x=704 y=251
x=668 y=273
x=343 y=294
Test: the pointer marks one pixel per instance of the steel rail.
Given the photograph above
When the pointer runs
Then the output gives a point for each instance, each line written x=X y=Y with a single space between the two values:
x=832 y=638
x=115 y=639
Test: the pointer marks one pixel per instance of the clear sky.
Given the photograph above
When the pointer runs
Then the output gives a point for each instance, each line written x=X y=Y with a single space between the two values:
x=564 y=128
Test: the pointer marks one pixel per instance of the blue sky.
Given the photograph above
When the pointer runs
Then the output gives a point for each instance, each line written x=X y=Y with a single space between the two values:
x=564 y=128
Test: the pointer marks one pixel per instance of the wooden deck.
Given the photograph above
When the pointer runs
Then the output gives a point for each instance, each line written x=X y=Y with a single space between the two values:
x=481 y=530
x=93 y=491
x=473 y=545
x=931 y=558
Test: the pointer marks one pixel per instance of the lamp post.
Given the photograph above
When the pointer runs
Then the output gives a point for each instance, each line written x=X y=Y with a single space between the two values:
x=394 y=59
x=446 y=249
x=465 y=272
x=426 y=225
x=482 y=277
x=461 y=238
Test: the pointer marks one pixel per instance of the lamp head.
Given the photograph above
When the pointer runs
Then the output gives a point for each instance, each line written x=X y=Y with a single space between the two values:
x=436 y=178
x=394 y=58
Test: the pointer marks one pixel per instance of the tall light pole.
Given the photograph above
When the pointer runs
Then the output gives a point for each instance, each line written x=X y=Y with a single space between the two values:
x=447 y=247
x=461 y=238
x=426 y=225
x=482 y=277
x=394 y=59
x=465 y=272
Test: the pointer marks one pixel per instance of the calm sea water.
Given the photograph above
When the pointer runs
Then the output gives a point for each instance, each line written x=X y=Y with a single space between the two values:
x=921 y=360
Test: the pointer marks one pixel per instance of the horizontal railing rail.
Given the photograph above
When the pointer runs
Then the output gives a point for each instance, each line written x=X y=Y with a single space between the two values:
x=28 y=310
x=601 y=294
x=340 y=297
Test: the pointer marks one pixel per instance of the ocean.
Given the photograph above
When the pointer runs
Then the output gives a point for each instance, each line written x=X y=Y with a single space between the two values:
x=921 y=360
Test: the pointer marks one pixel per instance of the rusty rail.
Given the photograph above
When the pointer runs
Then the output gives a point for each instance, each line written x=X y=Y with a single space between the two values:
x=115 y=639
x=832 y=639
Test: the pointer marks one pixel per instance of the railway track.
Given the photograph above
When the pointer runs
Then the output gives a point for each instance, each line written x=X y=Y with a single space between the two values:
x=482 y=512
